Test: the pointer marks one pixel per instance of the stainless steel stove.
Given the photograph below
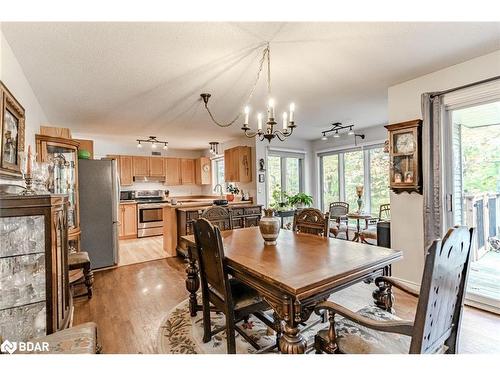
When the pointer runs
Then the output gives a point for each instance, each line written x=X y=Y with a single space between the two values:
x=149 y=212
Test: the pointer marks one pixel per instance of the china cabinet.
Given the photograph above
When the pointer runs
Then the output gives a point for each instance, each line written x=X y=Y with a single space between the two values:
x=35 y=298
x=62 y=156
x=405 y=144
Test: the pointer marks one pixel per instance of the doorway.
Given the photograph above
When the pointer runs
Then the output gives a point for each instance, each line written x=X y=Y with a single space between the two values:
x=473 y=183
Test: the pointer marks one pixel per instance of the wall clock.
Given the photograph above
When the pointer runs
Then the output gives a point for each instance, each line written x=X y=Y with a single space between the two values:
x=405 y=143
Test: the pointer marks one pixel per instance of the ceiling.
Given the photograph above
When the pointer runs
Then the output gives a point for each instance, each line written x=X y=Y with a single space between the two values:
x=129 y=80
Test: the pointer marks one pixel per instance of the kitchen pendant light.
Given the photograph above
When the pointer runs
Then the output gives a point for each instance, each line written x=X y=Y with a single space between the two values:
x=153 y=141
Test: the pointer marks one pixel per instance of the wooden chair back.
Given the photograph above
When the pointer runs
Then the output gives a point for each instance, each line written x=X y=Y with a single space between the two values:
x=219 y=216
x=211 y=259
x=439 y=309
x=384 y=213
x=338 y=210
x=311 y=221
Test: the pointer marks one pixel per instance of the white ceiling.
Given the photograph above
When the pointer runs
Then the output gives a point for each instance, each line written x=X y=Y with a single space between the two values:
x=128 y=80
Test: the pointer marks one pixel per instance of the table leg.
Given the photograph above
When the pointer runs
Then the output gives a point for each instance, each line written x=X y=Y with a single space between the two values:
x=383 y=296
x=291 y=341
x=358 y=231
x=192 y=283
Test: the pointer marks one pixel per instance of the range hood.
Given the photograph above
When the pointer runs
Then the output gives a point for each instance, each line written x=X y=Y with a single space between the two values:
x=150 y=178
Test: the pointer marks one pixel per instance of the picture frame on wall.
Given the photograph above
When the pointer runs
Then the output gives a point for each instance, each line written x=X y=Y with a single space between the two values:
x=12 y=126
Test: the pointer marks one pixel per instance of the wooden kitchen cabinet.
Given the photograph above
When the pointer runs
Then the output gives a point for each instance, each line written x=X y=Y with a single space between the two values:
x=156 y=166
x=141 y=166
x=173 y=171
x=128 y=221
x=126 y=170
x=238 y=164
x=187 y=171
x=203 y=173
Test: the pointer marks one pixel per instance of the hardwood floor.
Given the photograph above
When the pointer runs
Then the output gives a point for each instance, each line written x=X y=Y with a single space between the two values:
x=130 y=302
x=140 y=250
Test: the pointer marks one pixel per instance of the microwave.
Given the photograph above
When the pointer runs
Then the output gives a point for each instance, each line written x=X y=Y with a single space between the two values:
x=127 y=195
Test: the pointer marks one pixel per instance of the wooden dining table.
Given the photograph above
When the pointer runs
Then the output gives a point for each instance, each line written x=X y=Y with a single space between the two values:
x=297 y=273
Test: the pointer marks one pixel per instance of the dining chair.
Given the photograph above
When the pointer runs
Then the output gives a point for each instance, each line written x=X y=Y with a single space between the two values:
x=436 y=326
x=370 y=231
x=311 y=221
x=338 y=221
x=219 y=216
x=229 y=295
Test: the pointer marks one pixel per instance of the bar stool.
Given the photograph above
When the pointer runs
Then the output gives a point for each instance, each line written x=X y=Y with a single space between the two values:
x=81 y=261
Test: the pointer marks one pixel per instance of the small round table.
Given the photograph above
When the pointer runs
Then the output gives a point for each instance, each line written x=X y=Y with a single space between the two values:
x=358 y=216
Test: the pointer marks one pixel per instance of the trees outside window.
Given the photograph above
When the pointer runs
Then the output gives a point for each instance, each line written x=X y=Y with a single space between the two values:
x=330 y=180
x=284 y=177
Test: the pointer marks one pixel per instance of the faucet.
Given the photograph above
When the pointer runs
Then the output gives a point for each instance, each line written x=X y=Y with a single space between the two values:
x=219 y=186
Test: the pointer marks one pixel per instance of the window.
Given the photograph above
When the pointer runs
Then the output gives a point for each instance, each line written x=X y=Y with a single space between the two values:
x=284 y=175
x=218 y=171
x=342 y=171
x=379 y=178
x=353 y=176
x=330 y=179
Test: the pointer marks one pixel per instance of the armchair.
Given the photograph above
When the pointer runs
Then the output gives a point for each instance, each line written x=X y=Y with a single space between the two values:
x=436 y=326
x=337 y=219
x=370 y=231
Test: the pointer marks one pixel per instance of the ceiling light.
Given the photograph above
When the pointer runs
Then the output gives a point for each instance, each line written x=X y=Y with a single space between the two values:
x=153 y=141
x=269 y=132
x=336 y=135
x=337 y=127
x=351 y=131
x=214 y=148
x=324 y=138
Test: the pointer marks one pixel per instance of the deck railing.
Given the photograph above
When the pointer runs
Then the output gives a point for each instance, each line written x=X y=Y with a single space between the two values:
x=482 y=211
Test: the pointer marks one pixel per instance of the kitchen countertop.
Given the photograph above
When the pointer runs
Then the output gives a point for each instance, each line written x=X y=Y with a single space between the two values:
x=128 y=202
x=191 y=205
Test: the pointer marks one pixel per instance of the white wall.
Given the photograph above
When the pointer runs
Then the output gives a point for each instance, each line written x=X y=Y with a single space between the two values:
x=106 y=146
x=14 y=79
x=407 y=232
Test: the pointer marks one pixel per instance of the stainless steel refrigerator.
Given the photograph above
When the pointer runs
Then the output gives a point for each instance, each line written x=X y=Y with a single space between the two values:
x=99 y=189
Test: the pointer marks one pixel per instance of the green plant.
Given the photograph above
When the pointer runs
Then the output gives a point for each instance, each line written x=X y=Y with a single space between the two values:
x=300 y=198
x=233 y=189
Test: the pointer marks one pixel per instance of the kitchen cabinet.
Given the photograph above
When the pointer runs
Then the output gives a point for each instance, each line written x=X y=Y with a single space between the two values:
x=173 y=172
x=238 y=164
x=128 y=220
x=156 y=166
x=141 y=166
x=203 y=173
x=187 y=171
x=126 y=170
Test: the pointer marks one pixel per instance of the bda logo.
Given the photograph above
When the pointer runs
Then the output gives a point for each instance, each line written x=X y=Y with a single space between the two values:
x=8 y=347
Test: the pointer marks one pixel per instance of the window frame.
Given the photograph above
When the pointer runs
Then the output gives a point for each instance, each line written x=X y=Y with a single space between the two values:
x=216 y=160
x=341 y=172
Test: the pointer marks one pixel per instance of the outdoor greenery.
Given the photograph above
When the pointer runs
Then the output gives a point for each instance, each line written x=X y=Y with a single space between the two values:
x=300 y=199
x=481 y=159
x=330 y=179
x=354 y=176
x=278 y=195
x=379 y=179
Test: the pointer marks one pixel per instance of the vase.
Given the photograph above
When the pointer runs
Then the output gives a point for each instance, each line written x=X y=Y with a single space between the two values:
x=269 y=227
x=230 y=197
x=360 y=204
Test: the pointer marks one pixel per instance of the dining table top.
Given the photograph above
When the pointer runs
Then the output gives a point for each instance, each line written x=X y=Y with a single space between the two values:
x=299 y=262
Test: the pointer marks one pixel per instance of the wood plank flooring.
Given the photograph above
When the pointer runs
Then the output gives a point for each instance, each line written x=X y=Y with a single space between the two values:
x=130 y=303
x=140 y=250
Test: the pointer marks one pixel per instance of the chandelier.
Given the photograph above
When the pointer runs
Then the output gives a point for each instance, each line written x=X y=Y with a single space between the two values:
x=271 y=131
x=338 y=127
x=153 y=141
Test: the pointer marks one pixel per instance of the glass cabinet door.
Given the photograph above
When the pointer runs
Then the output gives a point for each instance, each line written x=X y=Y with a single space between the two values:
x=62 y=176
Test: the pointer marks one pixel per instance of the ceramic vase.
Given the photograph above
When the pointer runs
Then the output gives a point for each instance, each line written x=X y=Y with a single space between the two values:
x=269 y=227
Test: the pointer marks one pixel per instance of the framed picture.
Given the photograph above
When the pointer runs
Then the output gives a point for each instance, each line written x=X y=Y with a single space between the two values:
x=12 y=124
x=261 y=177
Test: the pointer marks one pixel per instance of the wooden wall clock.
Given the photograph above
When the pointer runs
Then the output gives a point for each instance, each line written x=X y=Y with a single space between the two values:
x=405 y=151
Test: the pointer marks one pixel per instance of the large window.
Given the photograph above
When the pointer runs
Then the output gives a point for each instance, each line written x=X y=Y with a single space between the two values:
x=342 y=171
x=284 y=176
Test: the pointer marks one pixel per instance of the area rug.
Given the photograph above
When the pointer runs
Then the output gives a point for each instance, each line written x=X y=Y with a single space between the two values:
x=180 y=333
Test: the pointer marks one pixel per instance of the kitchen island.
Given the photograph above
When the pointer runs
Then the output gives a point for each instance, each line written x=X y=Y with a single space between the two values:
x=178 y=221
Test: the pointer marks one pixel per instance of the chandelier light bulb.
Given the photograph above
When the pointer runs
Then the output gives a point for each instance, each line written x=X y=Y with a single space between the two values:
x=247 y=112
x=292 y=110
x=285 y=120
x=270 y=109
x=259 y=121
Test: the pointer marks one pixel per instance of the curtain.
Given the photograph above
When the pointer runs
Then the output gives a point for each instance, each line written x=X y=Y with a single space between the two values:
x=432 y=156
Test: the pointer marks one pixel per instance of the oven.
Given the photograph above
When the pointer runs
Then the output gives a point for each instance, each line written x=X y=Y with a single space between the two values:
x=149 y=219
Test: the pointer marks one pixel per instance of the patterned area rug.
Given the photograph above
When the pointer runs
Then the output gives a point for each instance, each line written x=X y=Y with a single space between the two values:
x=182 y=334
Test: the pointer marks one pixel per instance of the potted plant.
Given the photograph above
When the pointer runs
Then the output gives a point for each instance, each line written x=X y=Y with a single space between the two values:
x=232 y=190
x=300 y=200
